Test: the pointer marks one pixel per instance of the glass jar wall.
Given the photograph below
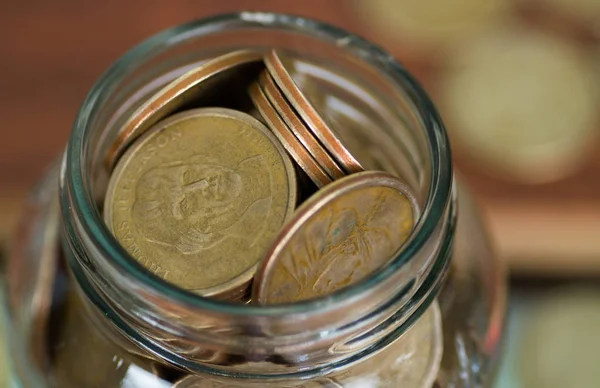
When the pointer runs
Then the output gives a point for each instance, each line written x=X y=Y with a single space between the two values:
x=83 y=313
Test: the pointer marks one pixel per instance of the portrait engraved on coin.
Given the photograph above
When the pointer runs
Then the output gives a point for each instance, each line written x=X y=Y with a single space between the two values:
x=194 y=204
x=198 y=199
x=338 y=237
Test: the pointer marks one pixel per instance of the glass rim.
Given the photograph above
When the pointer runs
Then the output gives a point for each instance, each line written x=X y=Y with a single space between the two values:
x=104 y=242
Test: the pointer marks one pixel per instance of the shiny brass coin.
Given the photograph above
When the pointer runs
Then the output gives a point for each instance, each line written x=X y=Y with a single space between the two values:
x=287 y=138
x=340 y=235
x=309 y=114
x=198 y=199
x=192 y=86
x=292 y=121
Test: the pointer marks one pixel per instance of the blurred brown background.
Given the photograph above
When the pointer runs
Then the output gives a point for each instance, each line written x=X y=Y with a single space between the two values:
x=52 y=52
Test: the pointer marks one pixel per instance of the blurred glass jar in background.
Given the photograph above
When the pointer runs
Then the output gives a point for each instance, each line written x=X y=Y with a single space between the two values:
x=82 y=313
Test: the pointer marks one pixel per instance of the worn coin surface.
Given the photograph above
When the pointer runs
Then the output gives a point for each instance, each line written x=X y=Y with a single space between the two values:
x=294 y=122
x=198 y=199
x=197 y=85
x=309 y=114
x=287 y=138
x=337 y=237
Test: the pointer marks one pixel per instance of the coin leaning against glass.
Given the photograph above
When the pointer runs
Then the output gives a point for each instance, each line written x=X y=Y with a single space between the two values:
x=337 y=237
x=330 y=140
x=198 y=198
x=194 y=86
x=287 y=138
x=292 y=121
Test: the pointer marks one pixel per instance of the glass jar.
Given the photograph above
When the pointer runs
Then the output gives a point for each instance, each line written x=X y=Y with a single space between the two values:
x=83 y=313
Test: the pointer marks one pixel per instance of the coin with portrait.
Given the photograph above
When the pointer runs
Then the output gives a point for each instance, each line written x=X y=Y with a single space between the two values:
x=339 y=236
x=198 y=199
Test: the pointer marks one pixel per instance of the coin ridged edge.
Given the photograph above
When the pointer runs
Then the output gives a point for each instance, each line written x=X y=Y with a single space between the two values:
x=309 y=114
x=287 y=137
x=306 y=137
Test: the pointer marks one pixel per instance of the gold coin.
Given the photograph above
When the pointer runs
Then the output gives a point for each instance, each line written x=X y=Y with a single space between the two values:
x=293 y=122
x=198 y=199
x=309 y=114
x=190 y=87
x=287 y=138
x=340 y=235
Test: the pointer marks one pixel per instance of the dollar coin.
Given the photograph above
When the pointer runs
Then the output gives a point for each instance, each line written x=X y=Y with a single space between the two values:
x=337 y=237
x=198 y=199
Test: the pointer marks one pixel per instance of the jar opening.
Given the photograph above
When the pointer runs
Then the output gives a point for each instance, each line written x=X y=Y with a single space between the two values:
x=78 y=202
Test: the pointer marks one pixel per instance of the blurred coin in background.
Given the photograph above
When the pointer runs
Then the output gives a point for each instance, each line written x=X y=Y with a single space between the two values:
x=560 y=341
x=428 y=25
x=522 y=102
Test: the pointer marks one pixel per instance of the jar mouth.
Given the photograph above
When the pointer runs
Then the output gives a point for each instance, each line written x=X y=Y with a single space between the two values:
x=84 y=207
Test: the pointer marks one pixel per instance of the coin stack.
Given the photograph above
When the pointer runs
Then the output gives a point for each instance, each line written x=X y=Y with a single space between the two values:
x=228 y=183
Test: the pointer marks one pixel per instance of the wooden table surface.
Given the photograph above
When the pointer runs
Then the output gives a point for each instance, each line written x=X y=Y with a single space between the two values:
x=52 y=52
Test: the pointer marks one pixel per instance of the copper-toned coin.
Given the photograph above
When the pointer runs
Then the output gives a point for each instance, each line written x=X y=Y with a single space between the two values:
x=309 y=114
x=337 y=237
x=192 y=86
x=287 y=138
x=297 y=126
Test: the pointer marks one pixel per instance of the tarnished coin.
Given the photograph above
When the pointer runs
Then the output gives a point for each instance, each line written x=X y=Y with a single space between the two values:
x=197 y=85
x=337 y=237
x=198 y=199
x=287 y=138
x=309 y=114
x=296 y=125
